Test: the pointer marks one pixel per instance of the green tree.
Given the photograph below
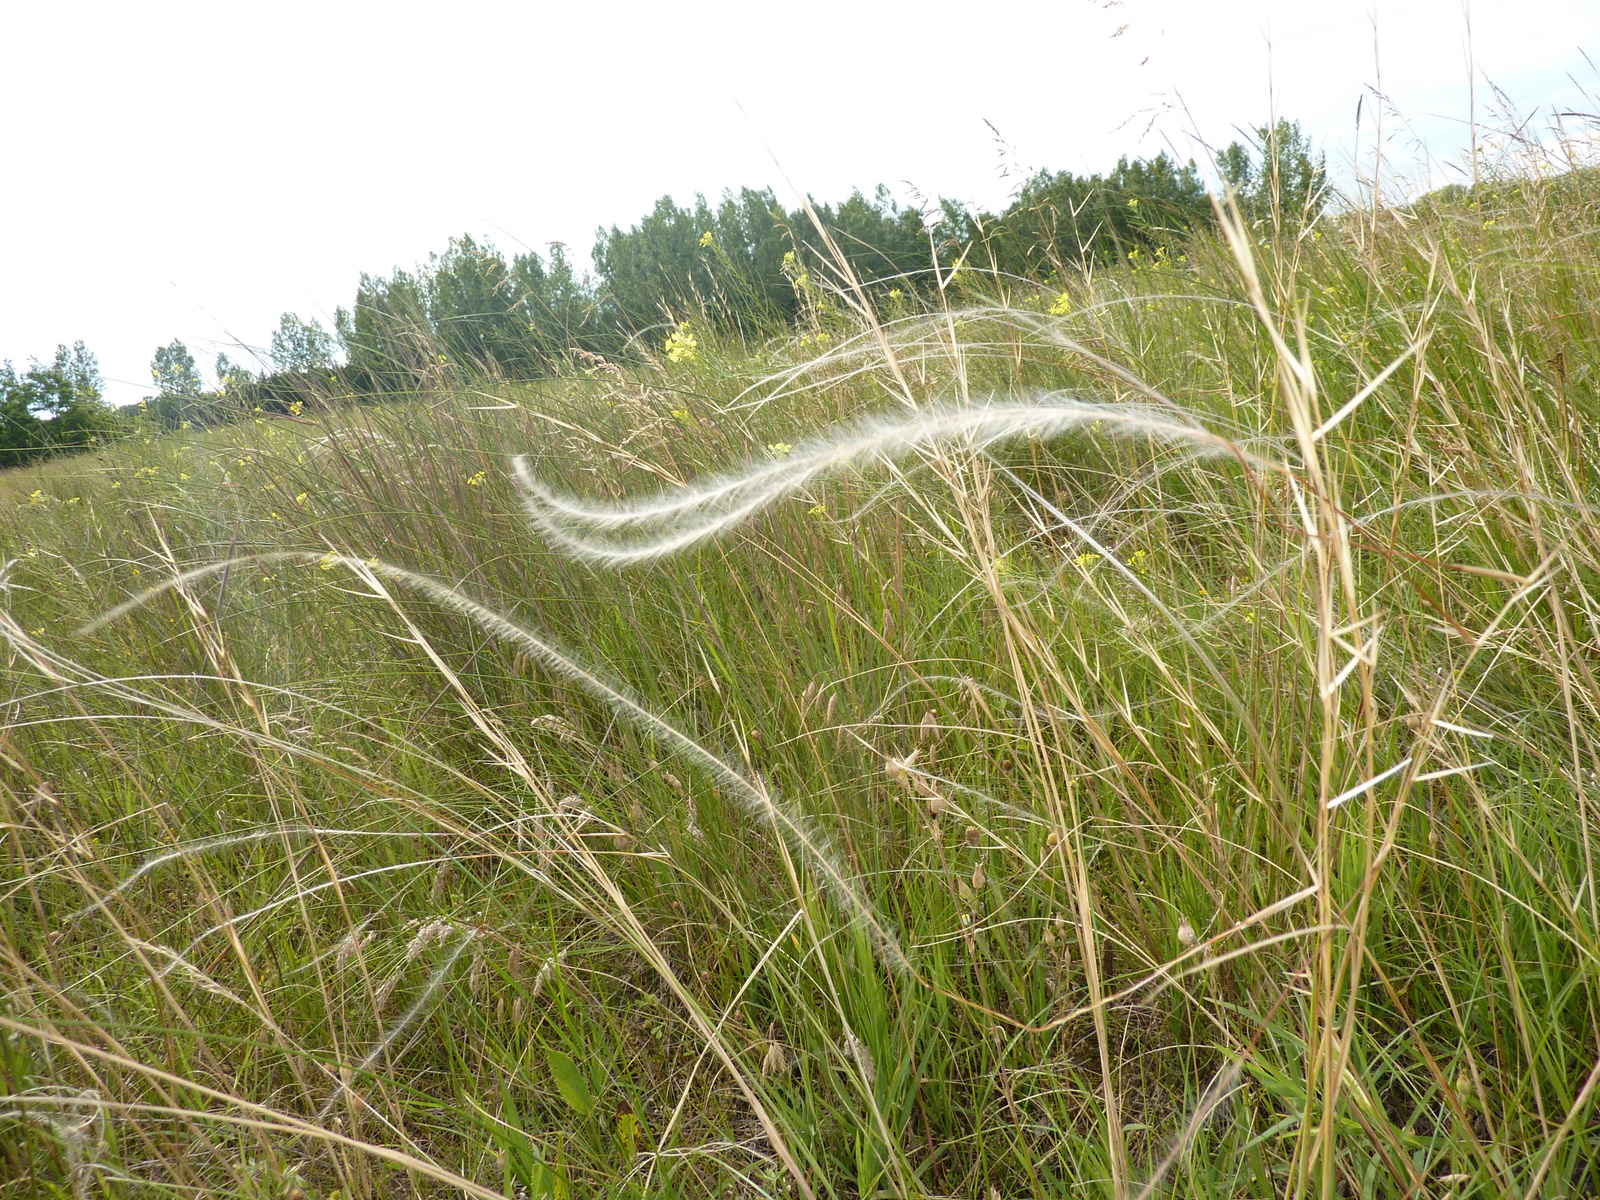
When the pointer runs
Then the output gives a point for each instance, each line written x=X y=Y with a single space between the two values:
x=729 y=263
x=473 y=301
x=21 y=431
x=1060 y=221
x=174 y=371
x=1277 y=176
x=53 y=407
x=387 y=337
x=560 y=310
x=303 y=346
x=182 y=396
x=233 y=378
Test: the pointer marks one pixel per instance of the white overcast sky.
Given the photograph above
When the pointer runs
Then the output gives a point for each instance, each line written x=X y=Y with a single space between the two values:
x=193 y=170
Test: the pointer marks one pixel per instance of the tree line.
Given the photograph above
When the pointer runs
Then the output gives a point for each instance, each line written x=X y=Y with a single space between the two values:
x=747 y=264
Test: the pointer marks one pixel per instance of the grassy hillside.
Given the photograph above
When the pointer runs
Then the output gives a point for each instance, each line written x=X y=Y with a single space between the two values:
x=1132 y=740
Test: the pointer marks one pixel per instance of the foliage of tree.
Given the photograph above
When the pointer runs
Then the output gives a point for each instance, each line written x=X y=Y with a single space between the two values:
x=1060 y=221
x=387 y=336
x=233 y=378
x=299 y=345
x=745 y=263
x=469 y=306
x=52 y=407
x=680 y=260
x=1276 y=177
x=182 y=396
x=740 y=260
x=174 y=372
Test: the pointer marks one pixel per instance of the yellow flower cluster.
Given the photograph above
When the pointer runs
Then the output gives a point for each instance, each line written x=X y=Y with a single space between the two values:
x=681 y=345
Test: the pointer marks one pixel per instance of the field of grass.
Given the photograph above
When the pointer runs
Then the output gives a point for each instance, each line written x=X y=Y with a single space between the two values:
x=1134 y=740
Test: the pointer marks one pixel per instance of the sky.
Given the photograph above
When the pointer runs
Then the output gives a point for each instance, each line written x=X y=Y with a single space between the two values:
x=192 y=171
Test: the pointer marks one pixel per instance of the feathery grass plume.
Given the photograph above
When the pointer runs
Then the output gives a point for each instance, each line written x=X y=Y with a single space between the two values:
x=672 y=522
x=419 y=1006
x=753 y=792
x=227 y=842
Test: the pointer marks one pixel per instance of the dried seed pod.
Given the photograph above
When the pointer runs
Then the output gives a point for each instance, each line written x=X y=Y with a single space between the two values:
x=775 y=1062
x=863 y=1058
x=899 y=769
x=978 y=878
x=1186 y=936
x=974 y=835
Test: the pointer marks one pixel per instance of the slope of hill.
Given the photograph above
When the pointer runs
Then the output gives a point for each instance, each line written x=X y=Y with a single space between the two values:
x=1140 y=735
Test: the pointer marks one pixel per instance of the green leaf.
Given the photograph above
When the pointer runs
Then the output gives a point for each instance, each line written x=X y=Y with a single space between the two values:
x=570 y=1082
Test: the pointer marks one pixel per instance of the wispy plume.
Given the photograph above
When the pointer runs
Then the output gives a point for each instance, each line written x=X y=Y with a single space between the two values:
x=662 y=525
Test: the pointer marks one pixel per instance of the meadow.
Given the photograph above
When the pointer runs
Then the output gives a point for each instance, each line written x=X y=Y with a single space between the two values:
x=1128 y=734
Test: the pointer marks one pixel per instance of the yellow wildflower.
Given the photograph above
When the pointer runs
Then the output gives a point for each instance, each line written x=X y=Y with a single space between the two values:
x=1062 y=305
x=778 y=449
x=705 y=238
x=476 y=478
x=36 y=496
x=681 y=345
